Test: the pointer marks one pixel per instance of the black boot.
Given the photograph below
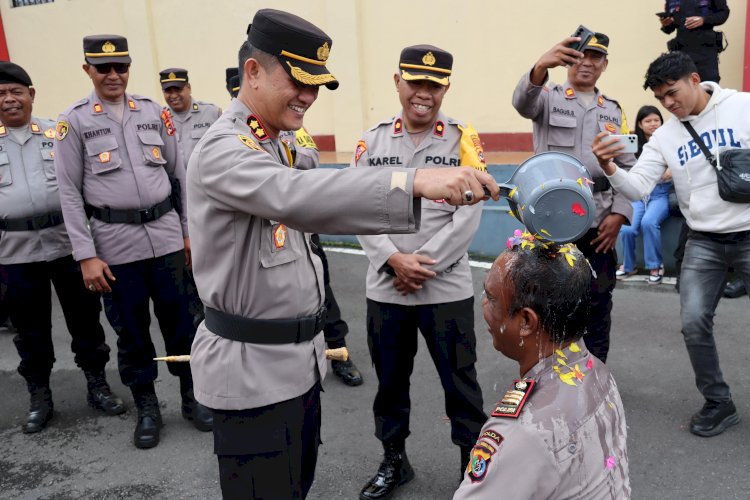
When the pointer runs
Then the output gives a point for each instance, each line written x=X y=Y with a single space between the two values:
x=201 y=417
x=100 y=396
x=394 y=471
x=347 y=372
x=40 y=408
x=714 y=418
x=149 y=424
x=734 y=289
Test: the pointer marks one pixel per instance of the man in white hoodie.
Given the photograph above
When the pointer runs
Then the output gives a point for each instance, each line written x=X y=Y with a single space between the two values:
x=719 y=234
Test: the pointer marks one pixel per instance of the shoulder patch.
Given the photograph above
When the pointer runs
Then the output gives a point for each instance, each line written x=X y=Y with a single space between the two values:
x=471 y=153
x=514 y=400
x=479 y=461
x=304 y=139
x=61 y=130
x=249 y=142
x=361 y=148
x=166 y=118
x=492 y=435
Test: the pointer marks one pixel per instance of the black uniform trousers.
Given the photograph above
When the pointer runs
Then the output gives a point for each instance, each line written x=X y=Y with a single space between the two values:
x=269 y=452
x=602 y=286
x=448 y=330
x=30 y=306
x=161 y=280
x=335 y=328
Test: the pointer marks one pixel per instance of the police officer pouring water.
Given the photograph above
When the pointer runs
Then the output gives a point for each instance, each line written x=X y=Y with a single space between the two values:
x=114 y=155
x=258 y=359
x=35 y=251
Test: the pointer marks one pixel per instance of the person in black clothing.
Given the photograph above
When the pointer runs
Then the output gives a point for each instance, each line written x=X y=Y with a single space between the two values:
x=694 y=22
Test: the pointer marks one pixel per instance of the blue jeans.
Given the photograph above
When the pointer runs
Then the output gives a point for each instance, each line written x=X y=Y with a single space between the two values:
x=647 y=217
x=703 y=277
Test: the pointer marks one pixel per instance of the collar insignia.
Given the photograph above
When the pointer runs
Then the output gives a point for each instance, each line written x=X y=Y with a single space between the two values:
x=35 y=128
x=600 y=101
x=195 y=107
x=514 y=400
x=98 y=108
x=256 y=128
x=570 y=93
x=131 y=104
x=3 y=131
x=397 y=126
x=439 y=128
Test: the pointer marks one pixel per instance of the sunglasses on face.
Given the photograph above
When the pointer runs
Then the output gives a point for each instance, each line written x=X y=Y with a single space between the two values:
x=104 y=69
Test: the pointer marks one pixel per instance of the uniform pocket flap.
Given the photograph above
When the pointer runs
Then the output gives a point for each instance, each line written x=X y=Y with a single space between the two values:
x=562 y=121
x=4 y=158
x=47 y=154
x=150 y=137
x=95 y=147
x=197 y=133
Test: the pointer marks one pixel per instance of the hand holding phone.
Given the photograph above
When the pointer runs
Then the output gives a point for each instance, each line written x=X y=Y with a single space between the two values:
x=585 y=35
x=663 y=14
x=628 y=141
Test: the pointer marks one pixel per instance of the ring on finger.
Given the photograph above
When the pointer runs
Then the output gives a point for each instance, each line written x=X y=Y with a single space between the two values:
x=92 y=287
x=468 y=196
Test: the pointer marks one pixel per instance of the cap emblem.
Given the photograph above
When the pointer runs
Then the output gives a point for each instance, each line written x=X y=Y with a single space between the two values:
x=323 y=52
x=429 y=59
x=171 y=76
x=108 y=47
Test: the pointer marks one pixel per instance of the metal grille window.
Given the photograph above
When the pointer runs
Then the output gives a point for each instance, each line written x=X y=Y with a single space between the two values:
x=25 y=3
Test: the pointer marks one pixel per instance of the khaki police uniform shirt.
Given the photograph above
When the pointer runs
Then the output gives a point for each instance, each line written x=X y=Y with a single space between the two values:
x=122 y=165
x=569 y=440
x=193 y=123
x=446 y=231
x=251 y=216
x=563 y=122
x=28 y=187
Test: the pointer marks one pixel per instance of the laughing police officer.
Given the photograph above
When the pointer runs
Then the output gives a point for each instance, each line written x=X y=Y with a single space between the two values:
x=421 y=281
x=114 y=155
x=258 y=359
x=566 y=118
x=35 y=250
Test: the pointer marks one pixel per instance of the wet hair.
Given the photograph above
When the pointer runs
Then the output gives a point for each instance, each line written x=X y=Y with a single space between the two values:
x=643 y=113
x=247 y=51
x=556 y=288
x=668 y=68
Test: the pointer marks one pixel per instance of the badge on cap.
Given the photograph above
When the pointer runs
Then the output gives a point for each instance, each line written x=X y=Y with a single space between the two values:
x=105 y=157
x=429 y=59
x=323 y=52
x=49 y=133
x=61 y=130
x=361 y=148
x=35 y=128
x=98 y=108
x=171 y=76
x=279 y=236
x=514 y=400
x=108 y=47
x=249 y=142
x=256 y=128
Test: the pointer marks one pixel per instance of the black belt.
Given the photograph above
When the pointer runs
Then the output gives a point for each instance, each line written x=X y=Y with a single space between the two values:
x=114 y=215
x=265 y=331
x=601 y=184
x=34 y=223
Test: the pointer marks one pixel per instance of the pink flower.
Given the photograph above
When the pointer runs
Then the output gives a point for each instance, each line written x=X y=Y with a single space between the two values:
x=590 y=364
x=610 y=463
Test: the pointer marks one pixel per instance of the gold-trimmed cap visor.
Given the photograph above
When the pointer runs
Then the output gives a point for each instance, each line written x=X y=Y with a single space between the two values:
x=598 y=43
x=426 y=62
x=104 y=49
x=411 y=77
x=301 y=47
x=173 y=77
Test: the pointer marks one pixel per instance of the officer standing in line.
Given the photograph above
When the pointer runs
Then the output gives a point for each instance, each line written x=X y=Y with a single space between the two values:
x=694 y=21
x=191 y=117
x=258 y=358
x=307 y=156
x=566 y=118
x=422 y=281
x=114 y=155
x=35 y=250
x=233 y=81
x=560 y=430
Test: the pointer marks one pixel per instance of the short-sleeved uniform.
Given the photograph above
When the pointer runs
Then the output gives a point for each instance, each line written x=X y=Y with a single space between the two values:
x=564 y=122
x=193 y=123
x=251 y=217
x=126 y=166
x=443 y=309
x=306 y=156
x=558 y=433
x=39 y=254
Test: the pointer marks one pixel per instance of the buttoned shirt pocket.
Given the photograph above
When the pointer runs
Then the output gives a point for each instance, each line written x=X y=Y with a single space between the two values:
x=104 y=155
x=6 y=178
x=48 y=157
x=278 y=245
x=562 y=131
x=152 y=143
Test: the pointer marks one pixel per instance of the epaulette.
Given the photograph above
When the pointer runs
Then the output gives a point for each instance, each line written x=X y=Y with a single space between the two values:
x=387 y=123
x=515 y=399
x=141 y=97
x=76 y=104
x=611 y=100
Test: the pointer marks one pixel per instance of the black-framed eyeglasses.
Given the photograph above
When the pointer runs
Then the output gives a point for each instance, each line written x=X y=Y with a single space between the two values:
x=104 y=69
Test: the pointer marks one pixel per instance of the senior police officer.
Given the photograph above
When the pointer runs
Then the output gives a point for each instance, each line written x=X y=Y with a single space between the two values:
x=191 y=117
x=35 y=251
x=559 y=431
x=258 y=359
x=305 y=156
x=114 y=155
x=566 y=118
x=421 y=281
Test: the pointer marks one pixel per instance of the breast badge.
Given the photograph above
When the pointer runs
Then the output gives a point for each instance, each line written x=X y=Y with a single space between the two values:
x=49 y=133
x=279 y=236
x=361 y=148
x=105 y=157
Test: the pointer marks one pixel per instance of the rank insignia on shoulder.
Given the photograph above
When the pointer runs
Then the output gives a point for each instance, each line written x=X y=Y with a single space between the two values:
x=98 y=108
x=35 y=128
x=570 y=93
x=514 y=400
x=61 y=130
x=439 y=128
x=249 y=142
x=131 y=104
x=49 y=133
x=600 y=101
x=397 y=126
x=361 y=148
x=195 y=107
x=166 y=118
x=479 y=461
x=279 y=236
x=256 y=128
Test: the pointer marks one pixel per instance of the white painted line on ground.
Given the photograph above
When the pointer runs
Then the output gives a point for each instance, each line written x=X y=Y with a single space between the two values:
x=357 y=251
